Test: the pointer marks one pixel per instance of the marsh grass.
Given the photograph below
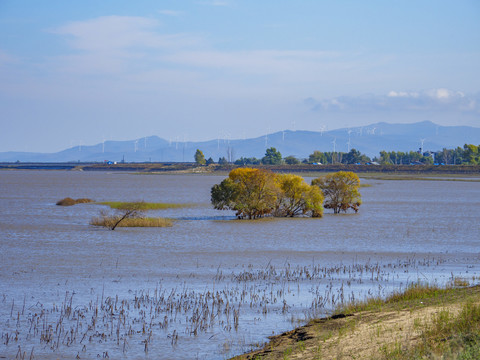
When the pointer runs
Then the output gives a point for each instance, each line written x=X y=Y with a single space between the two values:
x=410 y=296
x=69 y=201
x=140 y=205
x=448 y=336
x=109 y=221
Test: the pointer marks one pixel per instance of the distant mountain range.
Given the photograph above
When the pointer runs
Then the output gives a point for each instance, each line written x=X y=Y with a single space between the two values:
x=369 y=140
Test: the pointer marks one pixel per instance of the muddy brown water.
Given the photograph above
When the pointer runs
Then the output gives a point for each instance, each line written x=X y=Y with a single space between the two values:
x=210 y=286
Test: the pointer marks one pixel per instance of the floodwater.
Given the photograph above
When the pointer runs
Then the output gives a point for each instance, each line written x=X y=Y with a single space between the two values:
x=209 y=286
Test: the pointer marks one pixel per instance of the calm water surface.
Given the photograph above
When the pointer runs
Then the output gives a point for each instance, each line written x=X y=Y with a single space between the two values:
x=210 y=286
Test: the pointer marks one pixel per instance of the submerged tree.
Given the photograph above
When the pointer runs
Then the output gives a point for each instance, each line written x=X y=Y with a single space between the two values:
x=111 y=221
x=296 y=197
x=255 y=193
x=340 y=190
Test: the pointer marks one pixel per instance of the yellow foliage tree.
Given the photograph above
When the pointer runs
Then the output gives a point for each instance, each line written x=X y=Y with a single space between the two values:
x=341 y=191
x=296 y=197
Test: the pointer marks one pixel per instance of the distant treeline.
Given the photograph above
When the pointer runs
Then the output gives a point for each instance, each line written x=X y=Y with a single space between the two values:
x=468 y=155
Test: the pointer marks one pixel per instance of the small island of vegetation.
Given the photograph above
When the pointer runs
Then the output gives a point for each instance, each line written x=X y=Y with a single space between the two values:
x=131 y=214
x=255 y=193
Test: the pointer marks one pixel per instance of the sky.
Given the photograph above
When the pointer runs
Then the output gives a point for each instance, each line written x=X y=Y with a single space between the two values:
x=81 y=72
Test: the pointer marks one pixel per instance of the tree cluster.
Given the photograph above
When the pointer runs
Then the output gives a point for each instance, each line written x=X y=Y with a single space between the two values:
x=352 y=157
x=403 y=158
x=255 y=193
x=468 y=155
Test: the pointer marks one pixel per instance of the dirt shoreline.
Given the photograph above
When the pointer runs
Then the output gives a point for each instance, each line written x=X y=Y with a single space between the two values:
x=371 y=334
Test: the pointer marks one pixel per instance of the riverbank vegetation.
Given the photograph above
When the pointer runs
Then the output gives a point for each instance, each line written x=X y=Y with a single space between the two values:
x=422 y=322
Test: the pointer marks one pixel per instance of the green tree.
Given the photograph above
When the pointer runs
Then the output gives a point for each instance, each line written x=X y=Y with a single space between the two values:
x=222 y=160
x=200 y=158
x=470 y=154
x=247 y=161
x=317 y=157
x=385 y=158
x=353 y=157
x=272 y=157
x=340 y=190
x=210 y=161
x=291 y=160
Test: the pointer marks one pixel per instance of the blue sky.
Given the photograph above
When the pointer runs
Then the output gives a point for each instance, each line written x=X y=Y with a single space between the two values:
x=79 y=72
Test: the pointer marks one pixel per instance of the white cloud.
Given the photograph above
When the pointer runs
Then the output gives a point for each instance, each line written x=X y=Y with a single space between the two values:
x=120 y=32
x=134 y=47
x=440 y=99
x=402 y=94
x=170 y=12
x=114 y=44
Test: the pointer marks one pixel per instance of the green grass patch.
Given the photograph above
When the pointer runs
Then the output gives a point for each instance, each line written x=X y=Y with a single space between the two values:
x=131 y=222
x=140 y=205
x=414 y=295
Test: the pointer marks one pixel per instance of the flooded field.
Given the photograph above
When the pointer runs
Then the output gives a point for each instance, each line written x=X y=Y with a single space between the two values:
x=210 y=286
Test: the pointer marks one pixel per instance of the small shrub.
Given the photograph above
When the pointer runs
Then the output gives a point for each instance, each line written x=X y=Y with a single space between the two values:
x=66 y=202
x=69 y=201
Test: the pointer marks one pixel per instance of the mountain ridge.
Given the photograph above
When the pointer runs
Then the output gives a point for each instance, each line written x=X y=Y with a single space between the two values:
x=370 y=140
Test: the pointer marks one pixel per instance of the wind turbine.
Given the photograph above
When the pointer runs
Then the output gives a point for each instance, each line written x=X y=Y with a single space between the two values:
x=421 y=148
x=266 y=137
x=348 y=142
x=322 y=129
x=334 y=142
x=136 y=145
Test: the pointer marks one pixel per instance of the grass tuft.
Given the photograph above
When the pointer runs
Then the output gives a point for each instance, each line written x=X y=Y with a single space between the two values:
x=131 y=222
x=413 y=293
